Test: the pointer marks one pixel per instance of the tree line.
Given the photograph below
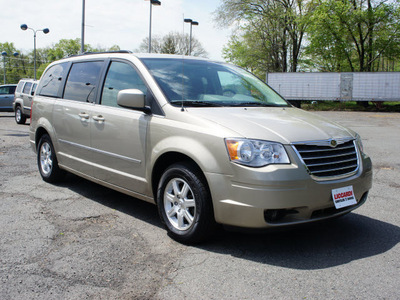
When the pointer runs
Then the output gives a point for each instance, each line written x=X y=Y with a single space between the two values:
x=312 y=35
x=22 y=65
x=271 y=36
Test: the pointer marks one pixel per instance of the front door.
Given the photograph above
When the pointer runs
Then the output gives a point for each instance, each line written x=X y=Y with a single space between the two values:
x=118 y=135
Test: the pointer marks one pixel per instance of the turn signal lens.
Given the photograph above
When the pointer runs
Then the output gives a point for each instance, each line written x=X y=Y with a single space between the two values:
x=232 y=147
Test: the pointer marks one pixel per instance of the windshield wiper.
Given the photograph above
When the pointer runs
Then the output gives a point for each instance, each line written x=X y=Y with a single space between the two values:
x=255 y=104
x=195 y=103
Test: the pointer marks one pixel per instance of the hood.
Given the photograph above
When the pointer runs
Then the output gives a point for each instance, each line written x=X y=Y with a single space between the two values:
x=284 y=125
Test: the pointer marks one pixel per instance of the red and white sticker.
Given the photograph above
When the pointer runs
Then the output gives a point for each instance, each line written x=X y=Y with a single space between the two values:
x=344 y=197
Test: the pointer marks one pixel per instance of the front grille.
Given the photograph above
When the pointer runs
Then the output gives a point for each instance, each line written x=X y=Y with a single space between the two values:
x=323 y=161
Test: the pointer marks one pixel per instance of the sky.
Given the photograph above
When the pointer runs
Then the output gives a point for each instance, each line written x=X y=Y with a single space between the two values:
x=109 y=22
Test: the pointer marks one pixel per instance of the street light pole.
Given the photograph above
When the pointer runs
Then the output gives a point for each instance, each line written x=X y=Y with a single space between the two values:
x=4 y=54
x=190 y=39
x=152 y=2
x=45 y=31
x=150 y=28
x=83 y=28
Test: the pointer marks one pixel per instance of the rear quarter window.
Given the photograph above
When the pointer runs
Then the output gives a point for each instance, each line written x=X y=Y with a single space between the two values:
x=51 y=81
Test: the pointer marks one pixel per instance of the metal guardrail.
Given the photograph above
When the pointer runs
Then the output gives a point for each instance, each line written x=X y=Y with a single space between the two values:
x=356 y=86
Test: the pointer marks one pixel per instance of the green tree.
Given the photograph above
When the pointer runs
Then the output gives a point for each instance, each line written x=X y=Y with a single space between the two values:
x=353 y=35
x=14 y=65
x=243 y=51
x=68 y=47
x=272 y=31
x=328 y=35
x=64 y=48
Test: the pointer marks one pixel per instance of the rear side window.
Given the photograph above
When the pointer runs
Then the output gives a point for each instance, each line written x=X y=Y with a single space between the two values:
x=20 y=85
x=3 y=90
x=12 y=89
x=51 y=81
x=27 y=87
x=82 y=81
x=7 y=90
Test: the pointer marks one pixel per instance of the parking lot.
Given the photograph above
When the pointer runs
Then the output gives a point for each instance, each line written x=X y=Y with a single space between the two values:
x=79 y=240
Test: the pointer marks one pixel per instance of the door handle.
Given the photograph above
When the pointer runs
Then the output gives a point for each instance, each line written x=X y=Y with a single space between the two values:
x=84 y=116
x=99 y=118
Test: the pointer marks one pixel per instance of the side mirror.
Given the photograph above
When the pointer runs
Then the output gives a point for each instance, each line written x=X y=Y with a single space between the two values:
x=132 y=98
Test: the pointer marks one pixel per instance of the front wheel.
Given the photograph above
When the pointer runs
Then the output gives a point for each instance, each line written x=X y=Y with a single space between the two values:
x=184 y=204
x=47 y=161
x=19 y=116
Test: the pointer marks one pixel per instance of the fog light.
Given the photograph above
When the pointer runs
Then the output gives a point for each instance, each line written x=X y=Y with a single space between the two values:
x=276 y=215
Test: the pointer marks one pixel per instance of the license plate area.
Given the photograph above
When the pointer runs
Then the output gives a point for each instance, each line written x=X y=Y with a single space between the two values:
x=343 y=197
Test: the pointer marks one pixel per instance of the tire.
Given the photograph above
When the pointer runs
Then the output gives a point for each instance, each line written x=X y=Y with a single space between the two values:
x=20 y=118
x=184 y=204
x=47 y=161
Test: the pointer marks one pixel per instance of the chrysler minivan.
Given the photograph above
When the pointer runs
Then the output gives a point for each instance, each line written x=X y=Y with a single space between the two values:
x=206 y=141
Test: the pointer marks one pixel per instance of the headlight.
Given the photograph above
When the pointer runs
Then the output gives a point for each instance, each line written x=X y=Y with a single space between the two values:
x=359 y=142
x=256 y=153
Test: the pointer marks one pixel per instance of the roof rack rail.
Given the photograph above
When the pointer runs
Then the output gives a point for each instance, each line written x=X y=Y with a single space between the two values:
x=101 y=52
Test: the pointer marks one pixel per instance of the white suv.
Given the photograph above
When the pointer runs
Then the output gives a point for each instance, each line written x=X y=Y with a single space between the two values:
x=23 y=99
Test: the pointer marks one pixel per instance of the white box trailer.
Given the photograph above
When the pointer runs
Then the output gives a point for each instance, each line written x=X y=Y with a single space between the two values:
x=356 y=86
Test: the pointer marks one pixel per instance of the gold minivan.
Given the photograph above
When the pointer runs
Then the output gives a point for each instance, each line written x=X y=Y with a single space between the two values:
x=206 y=141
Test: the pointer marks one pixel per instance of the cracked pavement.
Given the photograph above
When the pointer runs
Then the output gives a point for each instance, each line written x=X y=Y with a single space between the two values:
x=79 y=240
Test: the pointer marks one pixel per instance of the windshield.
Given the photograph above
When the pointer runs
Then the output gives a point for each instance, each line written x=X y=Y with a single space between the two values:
x=205 y=83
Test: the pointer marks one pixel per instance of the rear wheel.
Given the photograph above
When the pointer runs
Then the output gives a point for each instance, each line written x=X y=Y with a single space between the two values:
x=19 y=116
x=184 y=204
x=47 y=160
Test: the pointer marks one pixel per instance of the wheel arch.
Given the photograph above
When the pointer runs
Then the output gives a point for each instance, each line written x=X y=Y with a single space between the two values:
x=167 y=159
x=43 y=126
x=17 y=102
x=40 y=131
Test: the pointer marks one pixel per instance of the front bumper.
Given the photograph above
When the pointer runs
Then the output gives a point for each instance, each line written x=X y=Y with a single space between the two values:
x=280 y=195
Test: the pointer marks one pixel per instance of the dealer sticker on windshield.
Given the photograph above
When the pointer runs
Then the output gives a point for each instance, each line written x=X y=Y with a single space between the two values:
x=344 y=197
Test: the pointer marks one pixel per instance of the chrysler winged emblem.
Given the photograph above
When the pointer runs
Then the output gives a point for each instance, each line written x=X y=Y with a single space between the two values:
x=334 y=143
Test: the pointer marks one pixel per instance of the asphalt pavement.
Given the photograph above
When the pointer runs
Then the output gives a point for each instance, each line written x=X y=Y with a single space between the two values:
x=79 y=240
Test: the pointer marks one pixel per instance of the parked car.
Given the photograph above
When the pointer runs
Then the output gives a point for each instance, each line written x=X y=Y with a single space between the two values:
x=207 y=142
x=7 y=97
x=23 y=99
